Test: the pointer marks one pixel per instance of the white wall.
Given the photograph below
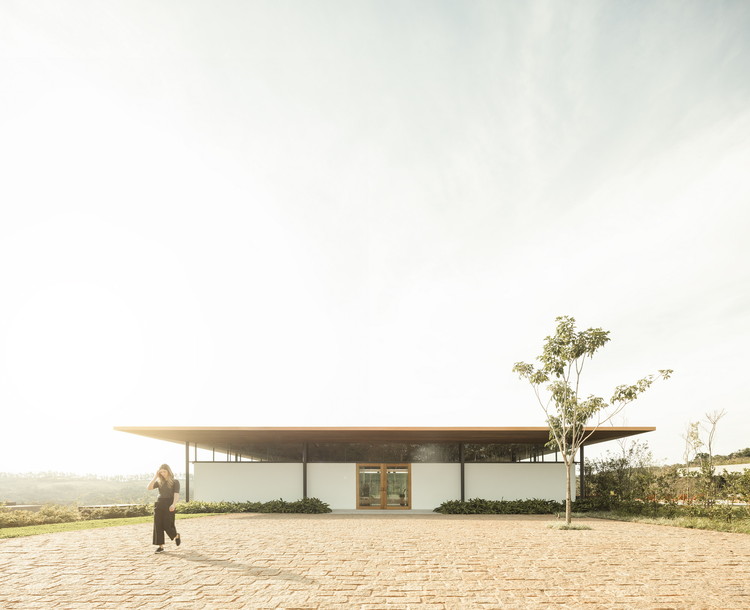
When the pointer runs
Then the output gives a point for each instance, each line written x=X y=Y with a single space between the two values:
x=246 y=481
x=335 y=484
x=519 y=481
x=433 y=484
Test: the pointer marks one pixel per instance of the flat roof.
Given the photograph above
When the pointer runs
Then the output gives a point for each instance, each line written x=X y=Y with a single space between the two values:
x=234 y=438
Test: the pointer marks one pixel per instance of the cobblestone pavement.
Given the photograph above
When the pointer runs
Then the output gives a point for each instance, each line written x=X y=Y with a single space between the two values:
x=374 y=561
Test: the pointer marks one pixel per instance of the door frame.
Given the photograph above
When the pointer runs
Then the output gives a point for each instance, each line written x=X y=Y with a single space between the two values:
x=383 y=466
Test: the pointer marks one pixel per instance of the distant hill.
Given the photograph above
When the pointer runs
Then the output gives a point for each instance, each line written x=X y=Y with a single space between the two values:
x=62 y=488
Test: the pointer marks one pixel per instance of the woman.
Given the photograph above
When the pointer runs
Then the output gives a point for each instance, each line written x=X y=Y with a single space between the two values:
x=169 y=494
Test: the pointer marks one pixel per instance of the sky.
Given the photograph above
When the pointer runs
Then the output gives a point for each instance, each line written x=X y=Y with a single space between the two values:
x=333 y=213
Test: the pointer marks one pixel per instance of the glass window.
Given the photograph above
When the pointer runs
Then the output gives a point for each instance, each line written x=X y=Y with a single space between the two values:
x=270 y=452
x=503 y=452
x=382 y=452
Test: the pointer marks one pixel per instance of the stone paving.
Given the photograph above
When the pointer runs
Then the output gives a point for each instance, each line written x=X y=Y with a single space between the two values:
x=371 y=561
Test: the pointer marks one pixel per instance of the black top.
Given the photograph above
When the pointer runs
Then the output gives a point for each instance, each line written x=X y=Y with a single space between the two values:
x=168 y=492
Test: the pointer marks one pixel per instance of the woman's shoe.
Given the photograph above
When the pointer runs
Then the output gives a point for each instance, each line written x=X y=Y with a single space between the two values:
x=177 y=540
x=159 y=550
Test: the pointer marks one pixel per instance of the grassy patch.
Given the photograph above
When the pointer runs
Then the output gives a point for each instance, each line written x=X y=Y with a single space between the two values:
x=53 y=528
x=738 y=526
x=565 y=526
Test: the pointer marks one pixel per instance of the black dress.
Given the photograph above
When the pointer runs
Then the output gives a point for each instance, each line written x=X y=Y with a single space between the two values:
x=163 y=517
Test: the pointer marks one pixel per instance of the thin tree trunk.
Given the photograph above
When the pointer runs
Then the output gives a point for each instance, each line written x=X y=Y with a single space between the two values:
x=568 y=499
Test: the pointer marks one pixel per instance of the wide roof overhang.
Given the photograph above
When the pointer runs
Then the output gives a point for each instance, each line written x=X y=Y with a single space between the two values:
x=227 y=439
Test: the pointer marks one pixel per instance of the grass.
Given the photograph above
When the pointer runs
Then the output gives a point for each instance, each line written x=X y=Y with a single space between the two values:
x=53 y=528
x=737 y=526
x=572 y=526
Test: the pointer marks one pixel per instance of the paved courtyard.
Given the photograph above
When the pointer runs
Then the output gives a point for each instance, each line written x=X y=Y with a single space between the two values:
x=378 y=561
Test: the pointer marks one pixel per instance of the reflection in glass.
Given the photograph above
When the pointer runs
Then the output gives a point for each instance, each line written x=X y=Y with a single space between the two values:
x=503 y=452
x=398 y=486
x=369 y=486
x=383 y=452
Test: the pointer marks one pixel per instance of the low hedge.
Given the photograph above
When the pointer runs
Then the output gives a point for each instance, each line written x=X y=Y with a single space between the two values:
x=115 y=512
x=53 y=513
x=308 y=506
x=477 y=506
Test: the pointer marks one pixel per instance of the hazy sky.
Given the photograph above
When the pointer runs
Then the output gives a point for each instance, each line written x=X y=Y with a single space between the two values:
x=363 y=213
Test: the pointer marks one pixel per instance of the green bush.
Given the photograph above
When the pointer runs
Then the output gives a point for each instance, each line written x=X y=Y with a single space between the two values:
x=477 y=506
x=116 y=512
x=668 y=510
x=308 y=505
x=53 y=513
x=49 y=513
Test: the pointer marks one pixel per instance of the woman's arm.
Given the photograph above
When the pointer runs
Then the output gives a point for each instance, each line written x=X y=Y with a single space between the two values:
x=153 y=481
x=176 y=500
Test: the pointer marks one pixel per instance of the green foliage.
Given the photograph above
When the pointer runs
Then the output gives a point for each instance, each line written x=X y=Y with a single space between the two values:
x=66 y=514
x=562 y=361
x=54 y=528
x=717 y=512
x=629 y=475
x=308 y=506
x=47 y=514
x=116 y=512
x=477 y=506
x=567 y=412
x=52 y=513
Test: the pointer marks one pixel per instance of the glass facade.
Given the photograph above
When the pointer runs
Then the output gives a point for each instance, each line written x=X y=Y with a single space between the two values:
x=505 y=452
x=271 y=452
x=383 y=452
x=406 y=453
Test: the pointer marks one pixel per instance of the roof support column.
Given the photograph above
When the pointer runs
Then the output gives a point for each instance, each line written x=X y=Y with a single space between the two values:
x=187 y=471
x=463 y=477
x=304 y=471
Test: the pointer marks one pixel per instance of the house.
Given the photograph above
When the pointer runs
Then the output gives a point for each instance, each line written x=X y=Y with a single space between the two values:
x=374 y=468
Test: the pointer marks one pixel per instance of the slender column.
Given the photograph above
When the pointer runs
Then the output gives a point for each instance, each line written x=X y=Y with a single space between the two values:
x=463 y=476
x=582 y=476
x=304 y=471
x=187 y=471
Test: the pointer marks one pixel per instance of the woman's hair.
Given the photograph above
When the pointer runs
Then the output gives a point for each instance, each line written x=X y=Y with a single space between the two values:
x=169 y=479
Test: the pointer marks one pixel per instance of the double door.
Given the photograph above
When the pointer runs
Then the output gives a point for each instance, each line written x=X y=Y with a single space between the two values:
x=383 y=486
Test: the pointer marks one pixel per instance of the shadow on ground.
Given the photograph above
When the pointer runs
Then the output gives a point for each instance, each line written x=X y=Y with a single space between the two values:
x=237 y=566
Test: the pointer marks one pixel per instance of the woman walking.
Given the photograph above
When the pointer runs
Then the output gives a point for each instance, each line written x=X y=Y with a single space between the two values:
x=169 y=494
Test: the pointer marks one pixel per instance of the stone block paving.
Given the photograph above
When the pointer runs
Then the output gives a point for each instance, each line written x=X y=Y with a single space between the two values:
x=378 y=561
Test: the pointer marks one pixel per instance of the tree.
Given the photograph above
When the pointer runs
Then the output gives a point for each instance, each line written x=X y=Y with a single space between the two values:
x=693 y=443
x=708 y=469
x=573 y=419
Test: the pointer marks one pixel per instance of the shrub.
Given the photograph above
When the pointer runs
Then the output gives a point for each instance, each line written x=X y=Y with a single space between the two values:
x=478 y=506
x=308 y=505
x=594 y=503
x=116 y=512
x=49 y=513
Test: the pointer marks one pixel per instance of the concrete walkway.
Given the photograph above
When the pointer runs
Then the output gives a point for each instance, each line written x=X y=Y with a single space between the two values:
x=378 y=561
